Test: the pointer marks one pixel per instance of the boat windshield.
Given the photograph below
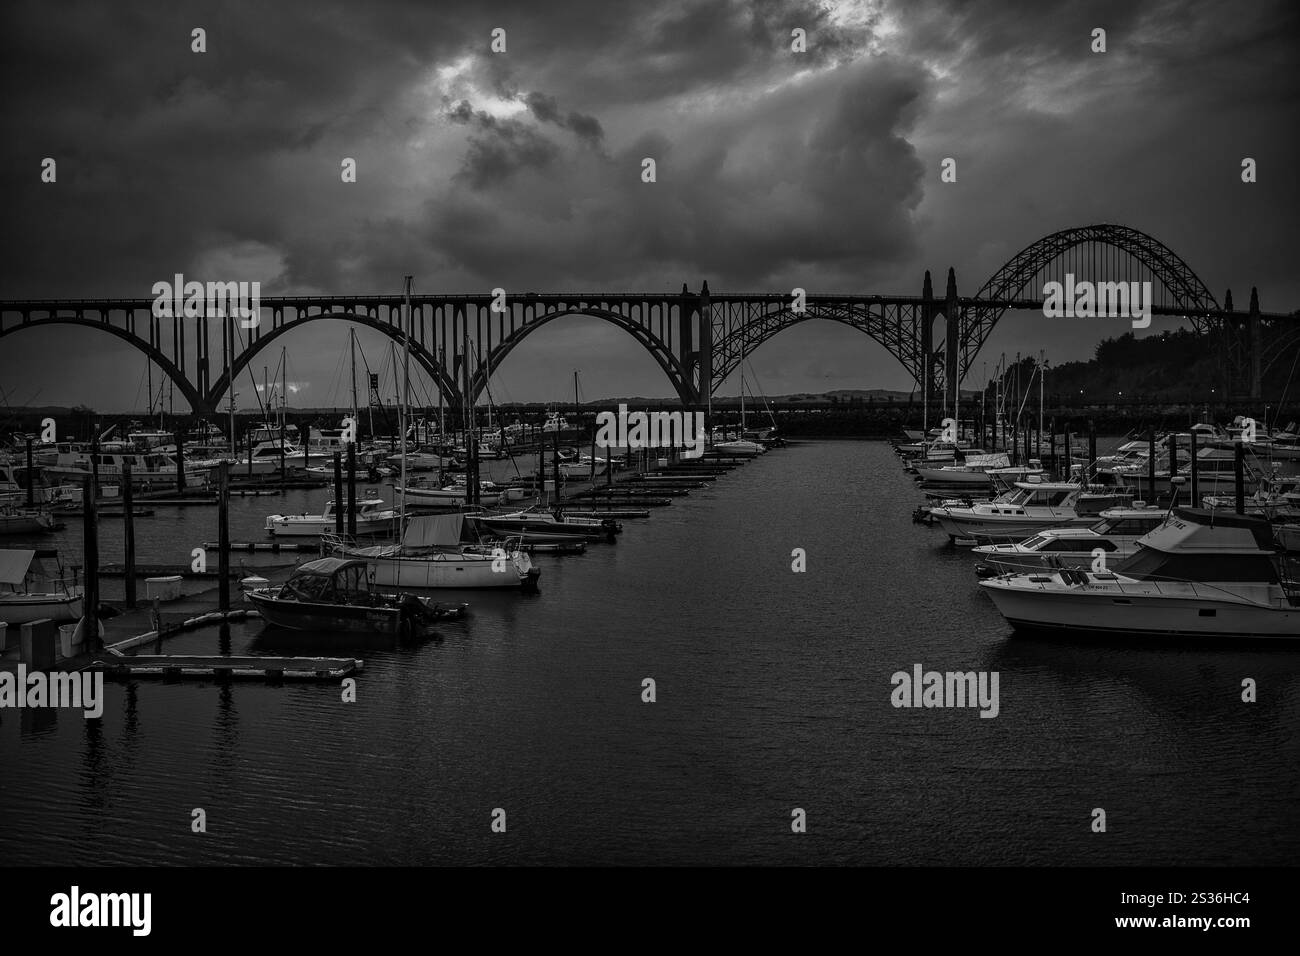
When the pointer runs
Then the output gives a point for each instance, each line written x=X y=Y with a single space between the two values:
x=1150 y=563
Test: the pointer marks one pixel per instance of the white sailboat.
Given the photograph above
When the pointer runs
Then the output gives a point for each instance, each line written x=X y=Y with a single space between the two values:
x=23 y=606
x=430 y=553
x=740 y=447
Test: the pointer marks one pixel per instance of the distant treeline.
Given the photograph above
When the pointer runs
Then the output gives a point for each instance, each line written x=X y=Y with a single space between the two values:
x=1174 y=367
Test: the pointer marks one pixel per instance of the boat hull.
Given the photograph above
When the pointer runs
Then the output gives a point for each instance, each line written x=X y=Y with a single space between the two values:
x=460 y=572
x=1098 y=612
x=25 y=608
x=328 y=618
x=315 y=527
x=25 y=523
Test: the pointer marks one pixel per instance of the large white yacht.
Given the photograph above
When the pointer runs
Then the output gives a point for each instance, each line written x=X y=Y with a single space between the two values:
x=1201 y=573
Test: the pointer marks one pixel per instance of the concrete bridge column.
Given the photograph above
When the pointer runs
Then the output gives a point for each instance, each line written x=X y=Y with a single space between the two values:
x=1254 y=334
x=952 y=341
x=927 y=343
x=704 y=349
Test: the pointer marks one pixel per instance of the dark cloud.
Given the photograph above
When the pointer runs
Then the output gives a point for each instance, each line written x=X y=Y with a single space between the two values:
x=522 y=169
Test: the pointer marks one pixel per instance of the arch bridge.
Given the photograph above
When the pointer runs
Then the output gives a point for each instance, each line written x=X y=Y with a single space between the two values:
x=697 y=338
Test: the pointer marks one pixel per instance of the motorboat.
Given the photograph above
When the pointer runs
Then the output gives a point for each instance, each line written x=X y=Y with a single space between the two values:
x=431 y=554
x=373 y=517
x=584 y=467
x=337 y=595
x=1201 y=573
x=147 y=468
x=1115 y=536
x=553 y=521
x=1030 y=507
x=424 y=461
x=19 y=604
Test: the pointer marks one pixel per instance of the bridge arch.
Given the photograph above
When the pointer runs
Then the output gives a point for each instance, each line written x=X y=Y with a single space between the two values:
x=1185 y=288
x=657 y=348
x=192 y=395
x=886 y=324
x=421 y=355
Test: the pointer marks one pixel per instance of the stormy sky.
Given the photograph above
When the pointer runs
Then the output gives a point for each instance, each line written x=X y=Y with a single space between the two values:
x=522 y=169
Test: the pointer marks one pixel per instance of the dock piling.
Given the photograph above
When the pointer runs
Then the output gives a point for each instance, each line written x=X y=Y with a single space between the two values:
x=338 y=493
x=90 y=561
x=31 y=473
x=128 y=531
x=352 y=488
x=223 y=536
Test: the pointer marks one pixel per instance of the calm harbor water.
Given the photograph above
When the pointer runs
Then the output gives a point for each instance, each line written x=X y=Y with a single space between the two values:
x=773 y=693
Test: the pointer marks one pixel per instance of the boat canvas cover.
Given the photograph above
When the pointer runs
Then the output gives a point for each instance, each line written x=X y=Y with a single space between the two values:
x=14 y=565
x=430 y=531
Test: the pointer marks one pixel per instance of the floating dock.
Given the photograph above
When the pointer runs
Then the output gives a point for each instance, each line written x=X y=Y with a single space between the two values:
x=179 y=666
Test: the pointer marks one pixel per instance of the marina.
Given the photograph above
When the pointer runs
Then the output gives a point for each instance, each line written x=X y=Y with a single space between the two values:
x=709 y=436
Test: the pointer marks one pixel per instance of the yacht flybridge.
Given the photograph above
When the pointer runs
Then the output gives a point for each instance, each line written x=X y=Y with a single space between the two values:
x=1201 y=573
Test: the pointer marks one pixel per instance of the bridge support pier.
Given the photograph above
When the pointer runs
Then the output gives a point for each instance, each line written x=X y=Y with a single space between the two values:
x=953 y=333
x=1253 y=336
x=927 y=346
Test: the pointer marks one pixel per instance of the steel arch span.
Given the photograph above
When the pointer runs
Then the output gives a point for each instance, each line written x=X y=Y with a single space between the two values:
x=743 y=323
x=419 y=352
x=633 y=324
x=1186 y=293
x=169 y=368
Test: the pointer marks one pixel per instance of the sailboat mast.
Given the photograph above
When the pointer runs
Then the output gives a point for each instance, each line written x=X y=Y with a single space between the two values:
x=1042 y=368
x=284 y=393
x=352 y=336
x=742 y=403
x=442 y=424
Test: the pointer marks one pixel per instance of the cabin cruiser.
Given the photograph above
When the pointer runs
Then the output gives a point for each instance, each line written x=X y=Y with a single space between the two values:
x=1032 y=506
x=146 y=468
x=552 y=522
x=432 y=555
x=373 y=517
x=972 y=472
x=1115 y=535
x=1201 y=573
x=14 y=480
x=423 y=461
x=1216 y=473
x=583 y=467
x=336 y=595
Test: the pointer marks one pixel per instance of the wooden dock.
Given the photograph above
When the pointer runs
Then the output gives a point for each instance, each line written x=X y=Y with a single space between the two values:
x=307 y=546
x=180 y=666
